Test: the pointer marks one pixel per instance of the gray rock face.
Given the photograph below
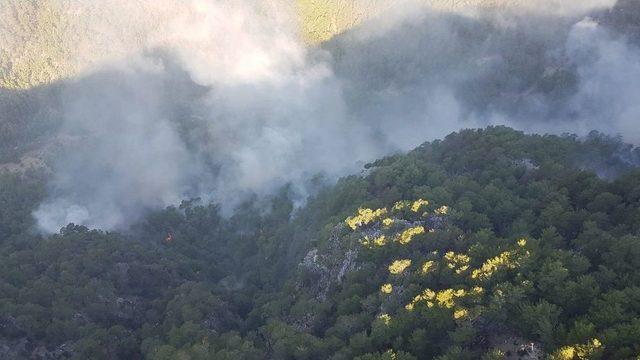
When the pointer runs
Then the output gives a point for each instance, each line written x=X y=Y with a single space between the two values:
x=517 y=348
x=329 y=266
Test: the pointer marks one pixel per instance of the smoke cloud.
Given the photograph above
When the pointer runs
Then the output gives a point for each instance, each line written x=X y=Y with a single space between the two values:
x=222 y=100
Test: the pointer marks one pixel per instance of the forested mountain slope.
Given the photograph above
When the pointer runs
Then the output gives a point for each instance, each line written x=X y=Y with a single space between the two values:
x=532 y=77
x=489 y=243
x=47 y=40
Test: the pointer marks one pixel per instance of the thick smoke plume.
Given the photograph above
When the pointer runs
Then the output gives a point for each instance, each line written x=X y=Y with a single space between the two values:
x=222 y=99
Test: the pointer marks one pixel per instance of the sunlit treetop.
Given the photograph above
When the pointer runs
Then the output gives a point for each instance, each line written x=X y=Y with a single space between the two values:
x=386 y=318
x=378 y=241
x=401 y=205
x=445 y=298
x=506 y=260
x=428 y=267
x=364 y=217
x=399 y=266
x=407 y=235
x=386 y=289
x=457 y=262
x=442 y=210
x=418 y=204
x=460 y=314
x=584 y=351
x=382 y=223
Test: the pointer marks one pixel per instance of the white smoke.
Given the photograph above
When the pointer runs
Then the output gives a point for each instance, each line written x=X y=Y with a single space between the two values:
x=125 y=156
x=562 y=7
x=609 y=72
x=221 y=99
x=266 y=117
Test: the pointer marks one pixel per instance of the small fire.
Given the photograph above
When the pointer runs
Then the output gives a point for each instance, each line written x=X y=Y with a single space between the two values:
x=169 y=238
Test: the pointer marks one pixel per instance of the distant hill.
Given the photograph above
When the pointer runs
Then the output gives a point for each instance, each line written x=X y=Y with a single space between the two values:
x=42 y=41
x=45 y=40
x=321 y=20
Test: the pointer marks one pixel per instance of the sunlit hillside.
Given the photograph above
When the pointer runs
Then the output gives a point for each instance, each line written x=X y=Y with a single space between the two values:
x=45 y=40
x=34 y=45
x=42 y=41
x=321 y=20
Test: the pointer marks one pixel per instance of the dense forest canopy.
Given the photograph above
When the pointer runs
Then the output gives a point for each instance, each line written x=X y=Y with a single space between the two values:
x=488 y=243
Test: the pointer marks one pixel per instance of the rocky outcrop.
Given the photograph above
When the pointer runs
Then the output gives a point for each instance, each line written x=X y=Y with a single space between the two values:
x=516 y=348
x=327 y=268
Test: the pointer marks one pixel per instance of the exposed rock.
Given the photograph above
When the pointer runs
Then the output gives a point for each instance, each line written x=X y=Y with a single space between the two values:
x=528 y=164
x=516 y=348
x=128 y=308
x=329 y=266
x=302 y=323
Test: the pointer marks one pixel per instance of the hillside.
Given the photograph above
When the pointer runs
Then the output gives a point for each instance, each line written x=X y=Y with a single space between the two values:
x=483 y=71
x=487 y=244
x=322 y=20
x=44 y=41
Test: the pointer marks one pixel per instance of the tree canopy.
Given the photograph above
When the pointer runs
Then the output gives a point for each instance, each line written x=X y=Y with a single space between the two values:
x=487 y=244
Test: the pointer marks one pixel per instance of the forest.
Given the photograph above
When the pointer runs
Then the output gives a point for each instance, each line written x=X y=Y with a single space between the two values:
x=487 y=244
